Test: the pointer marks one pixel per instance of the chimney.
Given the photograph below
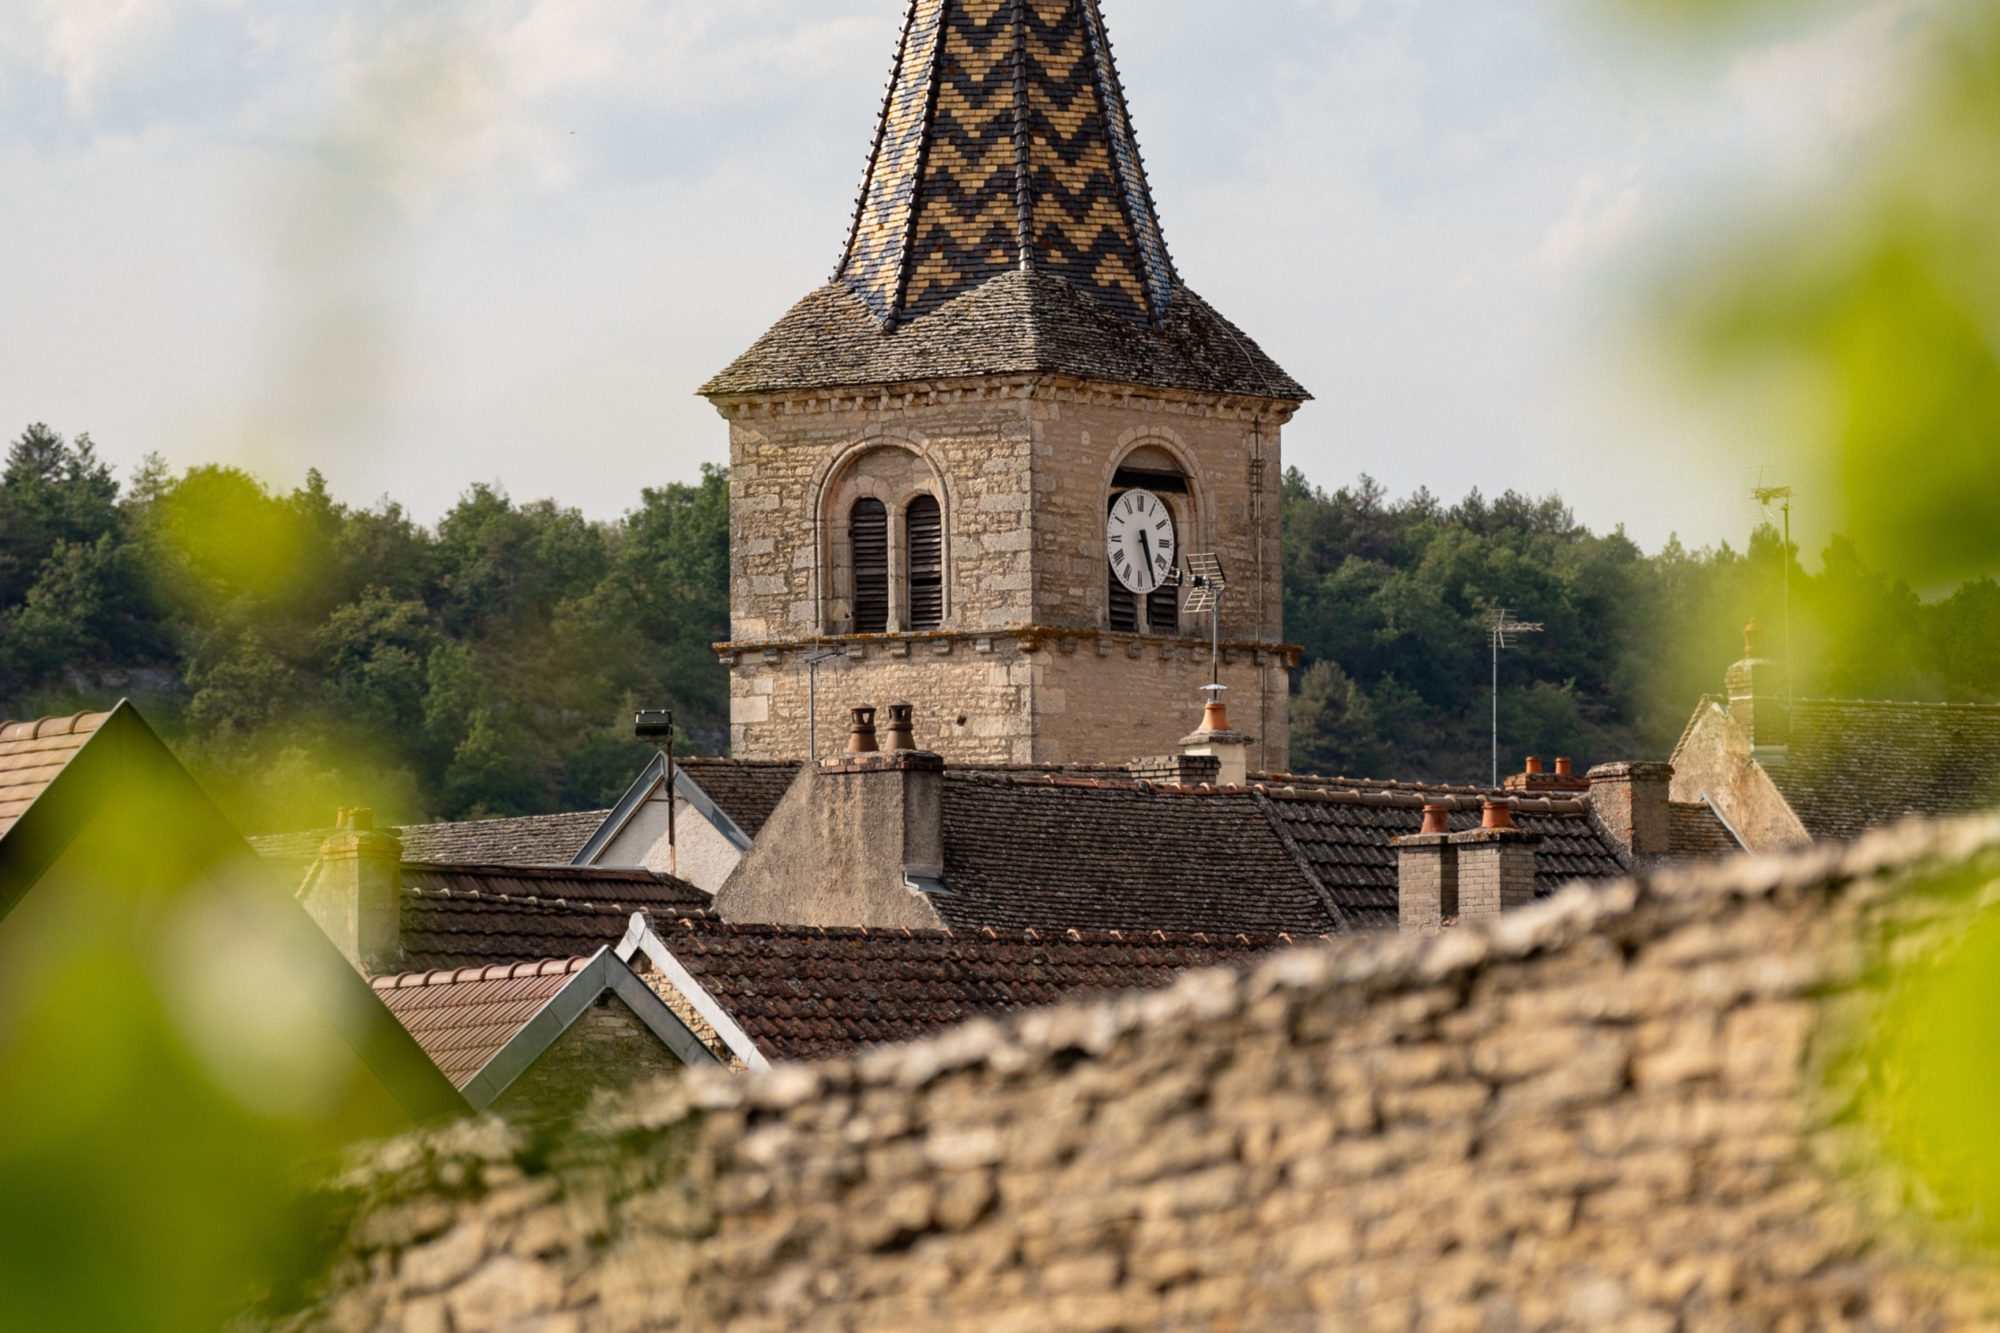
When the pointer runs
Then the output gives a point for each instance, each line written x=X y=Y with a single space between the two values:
x=1427 y=874
x=1179 y=770
x=1631 y=803
x=1496 y=865
x=1760 y=700
x=355 y=891
x=857 y=841
x=1217 y=740
x=1533 y=780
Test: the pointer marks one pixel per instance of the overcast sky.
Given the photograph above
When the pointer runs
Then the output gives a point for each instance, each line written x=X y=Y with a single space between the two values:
x=418 y=245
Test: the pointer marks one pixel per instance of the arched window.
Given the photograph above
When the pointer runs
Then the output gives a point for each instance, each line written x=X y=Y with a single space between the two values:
x=869 y=527
x=923 y=541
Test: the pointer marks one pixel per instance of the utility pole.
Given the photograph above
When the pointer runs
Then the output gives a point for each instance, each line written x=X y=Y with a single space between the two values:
x=1501 y=634
x=1781 y=497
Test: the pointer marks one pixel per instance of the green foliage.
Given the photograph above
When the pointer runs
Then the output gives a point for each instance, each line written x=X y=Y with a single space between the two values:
x=303 y=654
x=1390 y=601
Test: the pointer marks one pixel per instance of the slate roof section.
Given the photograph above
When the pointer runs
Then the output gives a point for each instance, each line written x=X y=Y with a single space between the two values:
x=1698 y=833
x=457 y=916
x=1016 y=324
x=1856 y=764
x=748 y=790
x=1057 y=853
x=524 y=840
x=1343 y=834
x=807 y=994
x=463 y=1017
x=32 y=753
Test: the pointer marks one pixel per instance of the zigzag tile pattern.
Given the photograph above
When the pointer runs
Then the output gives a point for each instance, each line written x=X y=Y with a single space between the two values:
x=1005 y=143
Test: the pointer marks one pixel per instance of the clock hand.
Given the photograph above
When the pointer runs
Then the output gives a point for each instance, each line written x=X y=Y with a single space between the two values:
x=1146 y=553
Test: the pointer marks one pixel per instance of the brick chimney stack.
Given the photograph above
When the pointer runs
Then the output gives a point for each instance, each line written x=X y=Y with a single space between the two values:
x=1496 y=865
x=1631 y=801
x=1427 y=874
x=355 y=891
x=1760 y=700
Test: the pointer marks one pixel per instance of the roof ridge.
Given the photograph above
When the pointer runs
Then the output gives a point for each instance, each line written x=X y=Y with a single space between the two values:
x=42 y=728
x=463 y=976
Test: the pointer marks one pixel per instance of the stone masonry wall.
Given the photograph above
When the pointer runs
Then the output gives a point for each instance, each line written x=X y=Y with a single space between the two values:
x=608 y=1047
x=1610 y=1110
x=1082 y=698
x=1025 y=469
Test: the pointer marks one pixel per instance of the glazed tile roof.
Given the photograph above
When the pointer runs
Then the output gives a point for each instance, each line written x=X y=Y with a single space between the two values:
x=1855 y=764
x=747 y=790
x=805 y=994
x=1054 y=853
x=32 y=753
x=1005 y=225
x=1343 y=831
x=459 y=916
x=463 y=1017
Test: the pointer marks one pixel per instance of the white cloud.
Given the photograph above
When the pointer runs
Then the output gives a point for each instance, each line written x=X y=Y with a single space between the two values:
x=1602 y=216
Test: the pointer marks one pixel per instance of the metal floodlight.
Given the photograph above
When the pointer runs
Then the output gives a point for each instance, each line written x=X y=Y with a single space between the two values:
x=653 y=725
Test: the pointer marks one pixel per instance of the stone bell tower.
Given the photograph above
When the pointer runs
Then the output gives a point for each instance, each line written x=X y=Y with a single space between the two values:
x=925 y=451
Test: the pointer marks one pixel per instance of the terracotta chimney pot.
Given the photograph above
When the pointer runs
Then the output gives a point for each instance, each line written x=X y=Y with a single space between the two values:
x=1215 y=716
x=1499 y=815
x=1534 y=765
x=902 y=727
x=1437 y=819
x=1565 y=767
x=861 y=740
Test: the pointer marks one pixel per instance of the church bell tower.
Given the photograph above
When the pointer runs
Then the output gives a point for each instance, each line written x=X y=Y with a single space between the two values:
x=966 y=471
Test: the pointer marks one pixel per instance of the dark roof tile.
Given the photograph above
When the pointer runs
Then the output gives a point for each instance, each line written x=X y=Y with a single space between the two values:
x=1856 y=764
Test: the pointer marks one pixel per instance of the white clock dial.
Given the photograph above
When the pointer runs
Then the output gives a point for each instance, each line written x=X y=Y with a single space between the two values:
x=1140 y=540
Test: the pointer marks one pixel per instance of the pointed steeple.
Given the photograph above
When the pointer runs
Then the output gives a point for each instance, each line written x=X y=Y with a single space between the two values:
x=1005 y=226
x=1005 y=143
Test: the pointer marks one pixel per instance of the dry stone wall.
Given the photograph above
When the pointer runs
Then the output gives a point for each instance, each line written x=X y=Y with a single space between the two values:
x=1611 y=1110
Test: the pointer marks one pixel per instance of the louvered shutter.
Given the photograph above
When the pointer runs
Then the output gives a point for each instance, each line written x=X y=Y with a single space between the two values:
x=869 y=525
x=1163 y=610
x=924 y=529
x=1124 y=602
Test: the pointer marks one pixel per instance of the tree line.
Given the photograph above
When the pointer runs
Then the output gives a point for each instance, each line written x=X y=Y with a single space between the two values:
x=302 y=653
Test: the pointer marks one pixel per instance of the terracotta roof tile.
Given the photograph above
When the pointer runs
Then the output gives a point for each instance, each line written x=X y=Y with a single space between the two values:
x=32 y=753
x=805 y=994
x=1698 y=833
x=528 y=840
x=463 y=1017
x=460 y=916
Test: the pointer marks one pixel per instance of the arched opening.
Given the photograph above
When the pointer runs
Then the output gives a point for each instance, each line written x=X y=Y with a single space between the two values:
x=923 y=541
x=868 y=528
x=1151 y=469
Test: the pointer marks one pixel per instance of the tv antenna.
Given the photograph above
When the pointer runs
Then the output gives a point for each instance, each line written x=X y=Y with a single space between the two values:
x=1206 y=585
x=1780 y=499
x=1501 y=632
x=813 y=662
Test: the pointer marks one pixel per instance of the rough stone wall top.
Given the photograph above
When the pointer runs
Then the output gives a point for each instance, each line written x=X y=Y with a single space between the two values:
x=1609 y=1110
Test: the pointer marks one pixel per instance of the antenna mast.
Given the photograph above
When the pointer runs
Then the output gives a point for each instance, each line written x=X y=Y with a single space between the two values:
x=1205 y=588
x=1780 y=497
x=1501 y=633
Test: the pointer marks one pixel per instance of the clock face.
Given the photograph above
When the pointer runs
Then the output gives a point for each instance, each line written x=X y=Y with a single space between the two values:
x=1140 y=540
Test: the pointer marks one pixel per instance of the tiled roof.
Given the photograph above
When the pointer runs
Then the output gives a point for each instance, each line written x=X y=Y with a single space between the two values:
x=463 y=1017
x=1055 y=853
x=1005 y=225
x=748 y=790
x=32 y=753
x=806 y=994
x=525 y=840
x=1343 y=833
x=457 y=916
x=1698 y=832
x=1016 y=324
x=1853 y=764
